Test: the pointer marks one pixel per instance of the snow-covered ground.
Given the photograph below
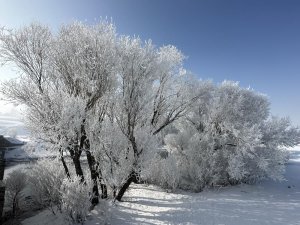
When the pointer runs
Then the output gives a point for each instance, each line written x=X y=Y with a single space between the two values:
x=269 y=202
x=265 y=203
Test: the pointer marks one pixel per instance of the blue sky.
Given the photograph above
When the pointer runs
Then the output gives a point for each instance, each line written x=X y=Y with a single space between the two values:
x=256 y=42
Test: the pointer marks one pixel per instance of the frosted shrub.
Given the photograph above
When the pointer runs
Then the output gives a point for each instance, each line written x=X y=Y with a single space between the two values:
x=75 y=199
x=169 y=173
x=45 y=179
x=163 y=172
x=14 y=187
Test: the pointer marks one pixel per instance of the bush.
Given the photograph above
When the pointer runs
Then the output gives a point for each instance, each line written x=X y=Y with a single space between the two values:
x=53 y=190
x=45 y=179
x=75 y=199
x=15 y=184
x=162 y=171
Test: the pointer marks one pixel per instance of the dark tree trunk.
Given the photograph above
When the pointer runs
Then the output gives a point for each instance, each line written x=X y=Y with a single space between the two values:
x=131 y=178
x=14 y=208
x=84 y=143
x=65 y=166
x=114 y=191
x=94 y=176
x=102 y=185
x=78 y=169
x=75 y=155
x=104 y=191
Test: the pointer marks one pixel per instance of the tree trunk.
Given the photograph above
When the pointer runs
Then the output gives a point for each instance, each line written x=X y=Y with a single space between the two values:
x=84 y=142
x=65 y=166
x=75 y=155
x=131 y=178
x=102 y=185
x=94 y=176
x=104 y=190
x=78 y=169
x=14 y=208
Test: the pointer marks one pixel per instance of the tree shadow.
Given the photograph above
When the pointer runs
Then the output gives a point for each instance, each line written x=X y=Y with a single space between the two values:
x=238 y=205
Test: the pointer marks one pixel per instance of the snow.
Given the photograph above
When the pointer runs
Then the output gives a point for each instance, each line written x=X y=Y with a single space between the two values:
x=243 y=204
x=269 y=202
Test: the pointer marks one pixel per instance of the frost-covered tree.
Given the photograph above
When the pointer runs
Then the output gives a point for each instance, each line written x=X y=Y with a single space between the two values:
x=85 y=65
x=152 y=93
x=65 y=79
x=228 y=138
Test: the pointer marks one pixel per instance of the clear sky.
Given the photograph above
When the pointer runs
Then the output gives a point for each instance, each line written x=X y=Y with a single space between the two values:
x=256 y=42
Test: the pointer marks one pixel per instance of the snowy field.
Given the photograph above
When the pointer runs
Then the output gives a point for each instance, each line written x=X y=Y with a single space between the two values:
x=265 y=203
